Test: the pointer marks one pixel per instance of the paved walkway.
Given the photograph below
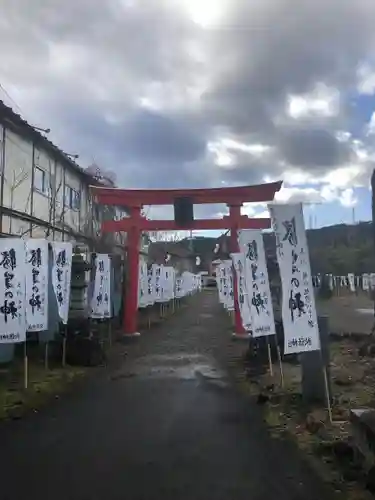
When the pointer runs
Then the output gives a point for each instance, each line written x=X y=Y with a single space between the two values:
x=166 y=424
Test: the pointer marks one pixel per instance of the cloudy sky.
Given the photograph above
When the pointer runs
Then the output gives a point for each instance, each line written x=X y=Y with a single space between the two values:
x=204 y=93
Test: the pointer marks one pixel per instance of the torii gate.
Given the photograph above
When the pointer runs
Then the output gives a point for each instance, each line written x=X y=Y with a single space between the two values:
x=135 y=224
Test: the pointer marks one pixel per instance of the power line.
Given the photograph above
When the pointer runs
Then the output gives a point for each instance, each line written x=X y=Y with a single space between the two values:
x=10 y=98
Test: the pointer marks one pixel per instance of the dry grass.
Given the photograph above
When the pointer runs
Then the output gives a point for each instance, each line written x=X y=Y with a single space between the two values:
x=353 y=386
x=43 y=384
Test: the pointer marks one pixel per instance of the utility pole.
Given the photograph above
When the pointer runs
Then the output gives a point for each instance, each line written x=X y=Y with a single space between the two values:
x=312 y=217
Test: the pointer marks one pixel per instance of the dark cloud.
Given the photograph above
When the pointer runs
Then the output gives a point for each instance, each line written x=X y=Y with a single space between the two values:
x=313 y=148
x=269 y=51
x=149 y=135
x=141 y=89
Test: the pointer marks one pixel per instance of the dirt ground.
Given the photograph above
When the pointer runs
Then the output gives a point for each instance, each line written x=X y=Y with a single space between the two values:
x=344 y=312
x=353 y=386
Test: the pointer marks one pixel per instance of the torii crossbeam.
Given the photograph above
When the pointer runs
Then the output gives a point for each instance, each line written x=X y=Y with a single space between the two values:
x=135 y=224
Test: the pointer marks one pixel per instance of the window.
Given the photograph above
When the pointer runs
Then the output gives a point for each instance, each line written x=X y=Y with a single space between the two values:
x=97 y=212
x=72 y=198
x=42 y=181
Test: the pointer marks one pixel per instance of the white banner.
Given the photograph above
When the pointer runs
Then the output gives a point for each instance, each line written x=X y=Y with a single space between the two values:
x=101 y=299
x=330 y=282
x=12 y=291
x=36 y=285
x=61 y=276
x=251 y=243
x=351 y=282
x=228 y=285
x=169 y=283
x=242 y=291
x=150 y=288
x=179 y=287
x=365 y=282
x=157 y=282
x=142 y=285
x=298 y=306
x=220 y=282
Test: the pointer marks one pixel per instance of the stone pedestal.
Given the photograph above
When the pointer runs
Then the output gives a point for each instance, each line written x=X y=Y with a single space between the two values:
x=313 y=363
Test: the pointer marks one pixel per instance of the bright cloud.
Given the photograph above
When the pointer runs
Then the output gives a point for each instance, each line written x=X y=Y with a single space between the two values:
x=322 y=101
x=200 y=93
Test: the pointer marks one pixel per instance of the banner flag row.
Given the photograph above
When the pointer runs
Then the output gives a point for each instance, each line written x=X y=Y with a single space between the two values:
x=159 y=284
x=249 y=268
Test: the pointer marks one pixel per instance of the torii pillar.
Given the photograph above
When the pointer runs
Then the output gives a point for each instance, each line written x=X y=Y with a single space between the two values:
x=135 y=224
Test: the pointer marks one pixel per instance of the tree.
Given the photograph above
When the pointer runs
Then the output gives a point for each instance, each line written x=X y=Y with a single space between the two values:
x=55 y=199
x=18 y=178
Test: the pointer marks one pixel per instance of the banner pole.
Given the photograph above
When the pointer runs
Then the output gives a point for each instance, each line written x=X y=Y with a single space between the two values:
x=280 y=363
x=269 y=356
x=26 y=366
x=329 y=407
x=110 y=332
x=46 y=355
x=64 y=345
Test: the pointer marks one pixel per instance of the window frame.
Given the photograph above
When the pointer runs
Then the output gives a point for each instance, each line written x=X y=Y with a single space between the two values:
x=72 y=198
x=45 y=187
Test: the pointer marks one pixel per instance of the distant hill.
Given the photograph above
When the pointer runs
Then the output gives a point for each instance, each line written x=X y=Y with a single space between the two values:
x=338 y=249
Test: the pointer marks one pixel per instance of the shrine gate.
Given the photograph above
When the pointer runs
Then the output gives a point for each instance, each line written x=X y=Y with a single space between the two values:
x=136 y=223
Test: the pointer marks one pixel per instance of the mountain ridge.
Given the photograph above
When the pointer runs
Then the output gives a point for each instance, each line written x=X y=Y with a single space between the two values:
x=337 y=249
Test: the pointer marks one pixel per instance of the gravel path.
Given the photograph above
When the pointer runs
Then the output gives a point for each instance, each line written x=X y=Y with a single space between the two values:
x=165 y=424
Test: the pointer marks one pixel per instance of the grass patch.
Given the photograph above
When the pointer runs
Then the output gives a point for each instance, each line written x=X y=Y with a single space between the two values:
x=43 y=384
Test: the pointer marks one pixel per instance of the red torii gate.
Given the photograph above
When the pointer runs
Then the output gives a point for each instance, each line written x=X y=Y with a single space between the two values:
x=135 y=224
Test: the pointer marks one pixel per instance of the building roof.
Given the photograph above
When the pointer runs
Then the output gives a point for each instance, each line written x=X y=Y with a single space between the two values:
x=14 y=121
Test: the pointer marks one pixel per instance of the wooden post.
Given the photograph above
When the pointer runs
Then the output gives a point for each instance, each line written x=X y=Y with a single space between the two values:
x=131 y=299
x=25 y=366
x=235 y=216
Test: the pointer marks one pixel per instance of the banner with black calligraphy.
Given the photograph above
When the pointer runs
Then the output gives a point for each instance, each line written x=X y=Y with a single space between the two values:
x=168 y=288
x=157 y=282
x=228 y=285
x=101 y=298
x=150 y=287
x=179 y=287
x=12 y=291
x=298 y=304
x=257 y=282
x=37 y=285
x=242 y=292
x=62 y=276
x=220 y=282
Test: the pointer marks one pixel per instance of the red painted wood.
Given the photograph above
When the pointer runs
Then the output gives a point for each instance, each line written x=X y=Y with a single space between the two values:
x=170 y=225
x=131 y=299
x=232 y=195
x=235 y=217
x=134 y=224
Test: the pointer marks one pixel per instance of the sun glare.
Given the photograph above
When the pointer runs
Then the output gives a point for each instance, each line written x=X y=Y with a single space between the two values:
x=205 y=13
